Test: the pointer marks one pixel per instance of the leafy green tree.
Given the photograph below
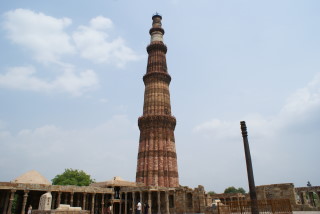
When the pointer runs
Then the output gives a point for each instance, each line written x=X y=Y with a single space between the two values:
x=73 y=177
x=232 y=189
x=241 y=190
x=211 y=192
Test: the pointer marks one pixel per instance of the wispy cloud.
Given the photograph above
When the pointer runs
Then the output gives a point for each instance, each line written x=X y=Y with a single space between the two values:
x=44 y=36
x=48 y=41
x=94 y=44
x=24 y=78
x=300 y=107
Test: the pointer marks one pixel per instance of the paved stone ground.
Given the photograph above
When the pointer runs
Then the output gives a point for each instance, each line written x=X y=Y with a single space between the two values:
x=306 y=212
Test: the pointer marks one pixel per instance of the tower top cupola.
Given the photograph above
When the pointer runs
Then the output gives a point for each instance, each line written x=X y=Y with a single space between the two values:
x=156 y=31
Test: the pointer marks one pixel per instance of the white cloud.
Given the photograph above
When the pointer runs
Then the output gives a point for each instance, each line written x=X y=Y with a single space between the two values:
x=46 y=38
x=101 y=23
x=281 y=146
x=302 y=106
x=94 y=44
x=43 y=35
x=24 y=78
x=100 y=151
x=305 y=102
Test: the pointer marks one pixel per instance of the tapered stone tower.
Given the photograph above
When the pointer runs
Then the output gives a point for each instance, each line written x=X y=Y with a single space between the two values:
x=157 y=159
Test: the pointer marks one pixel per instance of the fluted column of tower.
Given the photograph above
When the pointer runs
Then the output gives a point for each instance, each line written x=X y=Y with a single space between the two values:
x=157 y=159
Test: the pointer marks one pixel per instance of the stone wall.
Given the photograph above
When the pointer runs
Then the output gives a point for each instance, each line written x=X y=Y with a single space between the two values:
x=277 y=191
x=283 y=191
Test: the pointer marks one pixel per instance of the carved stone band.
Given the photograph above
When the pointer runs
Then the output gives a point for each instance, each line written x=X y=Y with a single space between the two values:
x=156 y=29
x=157 y=121
x=159 y=173
x=154 y=76
x=157 y=46
x=159 y=153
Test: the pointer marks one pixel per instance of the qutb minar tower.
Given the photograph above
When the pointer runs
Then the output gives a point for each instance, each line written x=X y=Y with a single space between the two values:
x=157 y=158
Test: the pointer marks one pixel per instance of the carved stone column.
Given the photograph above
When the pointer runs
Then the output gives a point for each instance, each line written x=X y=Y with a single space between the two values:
x=6 y=202
x=24 y=202
x=125 y=203
x=71 y=198
x=54 y=195
x=84 y=201
x=312 y=202
x=11 y=200
x=58 y=199
x=87 y=201
x=141 y=197
x=167 y=202
x=102 y=203
x=120 y=203
x=304 y=198
x=92 y=203
x=133 y=202
x=159 y=202
x=112 y=203
x=149 y=202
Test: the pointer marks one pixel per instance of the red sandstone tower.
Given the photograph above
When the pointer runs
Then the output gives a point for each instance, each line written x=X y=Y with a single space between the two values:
x=157 y=158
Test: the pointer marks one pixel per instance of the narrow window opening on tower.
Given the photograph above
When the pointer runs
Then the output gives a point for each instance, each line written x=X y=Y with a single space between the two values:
x=189 y=200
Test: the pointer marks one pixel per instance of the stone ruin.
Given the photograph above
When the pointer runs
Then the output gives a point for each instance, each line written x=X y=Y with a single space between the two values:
x=62 y=209
x=45 y=201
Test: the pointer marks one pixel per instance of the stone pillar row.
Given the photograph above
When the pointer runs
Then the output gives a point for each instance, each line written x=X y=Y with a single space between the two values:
x=305 y=201
x=84 y=204
x=56 y=200
x=149 y=200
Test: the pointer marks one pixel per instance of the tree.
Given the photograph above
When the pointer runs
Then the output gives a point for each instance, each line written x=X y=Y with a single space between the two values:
x=241 y=190
x=73 y=177
x=232 y=189
x=211 y=192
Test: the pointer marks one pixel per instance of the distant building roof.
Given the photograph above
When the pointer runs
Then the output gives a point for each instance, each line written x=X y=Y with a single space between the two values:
x=31 y=177
x=116 y=181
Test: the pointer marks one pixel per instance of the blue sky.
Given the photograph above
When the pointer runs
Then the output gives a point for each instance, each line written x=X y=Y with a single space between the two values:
x=71 y=87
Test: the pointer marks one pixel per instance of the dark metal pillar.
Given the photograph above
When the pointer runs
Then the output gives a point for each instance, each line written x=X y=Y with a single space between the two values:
x=252 y=187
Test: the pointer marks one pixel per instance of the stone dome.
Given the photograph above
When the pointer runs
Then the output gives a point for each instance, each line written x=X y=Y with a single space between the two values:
x=31 y=177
